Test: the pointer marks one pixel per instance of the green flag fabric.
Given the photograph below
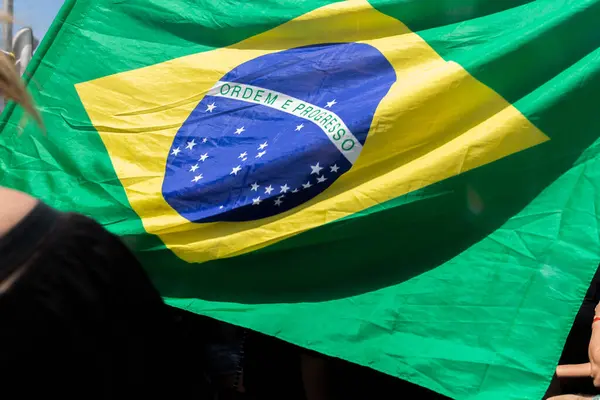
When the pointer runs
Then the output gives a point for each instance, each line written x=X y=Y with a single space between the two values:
x=410 y=185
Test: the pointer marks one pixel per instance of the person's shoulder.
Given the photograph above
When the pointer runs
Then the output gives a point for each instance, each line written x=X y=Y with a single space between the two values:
x=14 y=206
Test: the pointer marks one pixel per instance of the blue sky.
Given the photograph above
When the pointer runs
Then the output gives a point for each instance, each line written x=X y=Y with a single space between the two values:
x=38 y=14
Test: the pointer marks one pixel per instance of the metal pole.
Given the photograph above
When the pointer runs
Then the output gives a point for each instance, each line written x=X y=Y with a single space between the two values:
x=7 y=29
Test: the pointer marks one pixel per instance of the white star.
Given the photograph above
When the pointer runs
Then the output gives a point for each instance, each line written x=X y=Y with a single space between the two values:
x=193 y=168
x=175 y=151
x=278 y=202
x=203 y=157
x=331 y=103
x=190 y=145
x=316 y=169
x=255 y=186
x=204 y=140
x=284 y=188
x=262 y=146
x=197 y=178
x=256 y=201
x=268 y=189
x=262 y=153
x=306 y=185
x=334 y=168
x=242 y=155
x=220 y=207
x=210 y=107
x=299 y=127
x=244 y=159
x=239 y=130
x=295 y=190
x=235 y=170
x=321 y=179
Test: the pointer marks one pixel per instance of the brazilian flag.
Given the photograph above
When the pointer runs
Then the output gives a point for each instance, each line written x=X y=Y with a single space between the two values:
x=410 y=185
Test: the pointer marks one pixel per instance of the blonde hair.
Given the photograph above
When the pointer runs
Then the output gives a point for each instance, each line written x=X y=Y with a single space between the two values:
x=12 y=86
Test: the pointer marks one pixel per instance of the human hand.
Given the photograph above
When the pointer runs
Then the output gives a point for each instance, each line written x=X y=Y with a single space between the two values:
x=591 y=369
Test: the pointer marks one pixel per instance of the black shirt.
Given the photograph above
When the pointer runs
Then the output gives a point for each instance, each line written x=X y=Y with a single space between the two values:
x=83 y=320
